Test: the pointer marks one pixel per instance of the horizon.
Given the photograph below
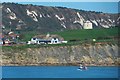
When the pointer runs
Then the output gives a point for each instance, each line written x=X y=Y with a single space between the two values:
x=105 y=7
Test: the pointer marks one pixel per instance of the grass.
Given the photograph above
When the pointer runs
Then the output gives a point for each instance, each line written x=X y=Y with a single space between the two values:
x=26 y=36
x=82 y=34
x=79 y=34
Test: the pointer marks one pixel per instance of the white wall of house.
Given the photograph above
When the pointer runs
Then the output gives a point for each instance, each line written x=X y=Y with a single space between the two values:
x=1 y=42
x=29 y=42
x=64 y=41
x=7 y=41
x=55 y=41
x=34 y=40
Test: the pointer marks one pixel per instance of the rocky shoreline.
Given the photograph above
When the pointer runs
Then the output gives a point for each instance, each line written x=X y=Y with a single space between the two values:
x=91 y=55
x=56 y=64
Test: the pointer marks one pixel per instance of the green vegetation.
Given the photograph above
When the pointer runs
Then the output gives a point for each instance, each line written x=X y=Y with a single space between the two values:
x=26 y=36
x=22 y=47
x=79 y=34
x=82 y=34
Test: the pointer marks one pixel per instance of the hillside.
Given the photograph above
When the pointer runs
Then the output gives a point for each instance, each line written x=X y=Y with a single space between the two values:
x=79 y=34
x=42 y=19
x=82 y=34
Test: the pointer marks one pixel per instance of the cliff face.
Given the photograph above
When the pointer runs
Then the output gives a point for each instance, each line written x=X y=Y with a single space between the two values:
x=46 y=19
x=91 y=54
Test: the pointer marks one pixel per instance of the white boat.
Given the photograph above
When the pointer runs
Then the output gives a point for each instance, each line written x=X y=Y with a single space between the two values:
x=82 y=67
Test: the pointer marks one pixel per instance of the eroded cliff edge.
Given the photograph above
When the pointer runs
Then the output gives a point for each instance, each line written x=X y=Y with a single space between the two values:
x=92 y=55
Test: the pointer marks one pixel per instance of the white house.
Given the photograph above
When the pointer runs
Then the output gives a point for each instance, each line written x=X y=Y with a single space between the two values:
x=1 y=42
x=38 y=41
x=55 y=41
x=87 y=25
x=7 y=41
x=44 y=41
x=33 y=41
x=64 y=41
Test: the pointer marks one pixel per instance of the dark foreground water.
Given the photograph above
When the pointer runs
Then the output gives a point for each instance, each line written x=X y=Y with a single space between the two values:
x=59 y=72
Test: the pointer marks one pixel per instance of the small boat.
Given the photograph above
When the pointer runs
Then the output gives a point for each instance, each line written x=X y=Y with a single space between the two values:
x=82 y=67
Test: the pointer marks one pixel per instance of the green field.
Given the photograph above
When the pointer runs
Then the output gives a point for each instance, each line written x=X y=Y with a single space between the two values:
x=83 y=34
x=80 y=34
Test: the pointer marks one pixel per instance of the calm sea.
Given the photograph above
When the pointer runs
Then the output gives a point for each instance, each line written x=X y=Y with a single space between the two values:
x=59 y=72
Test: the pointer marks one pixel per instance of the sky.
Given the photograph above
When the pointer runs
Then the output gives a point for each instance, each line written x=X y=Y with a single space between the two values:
x=106 y=6
x=59 y=0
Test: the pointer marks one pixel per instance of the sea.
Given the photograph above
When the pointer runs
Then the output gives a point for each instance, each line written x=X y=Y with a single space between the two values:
x=59 y=72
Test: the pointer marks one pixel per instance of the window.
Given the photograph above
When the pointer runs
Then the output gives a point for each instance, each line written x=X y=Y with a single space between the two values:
x=34 y=38
x=55 y=41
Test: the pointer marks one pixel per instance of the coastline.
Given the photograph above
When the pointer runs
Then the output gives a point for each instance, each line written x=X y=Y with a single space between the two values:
x=91 y=55
x=58 y=64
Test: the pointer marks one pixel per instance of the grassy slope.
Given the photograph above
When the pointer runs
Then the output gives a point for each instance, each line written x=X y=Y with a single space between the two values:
x=26 y=36
x=87 y=34
x=68 y=35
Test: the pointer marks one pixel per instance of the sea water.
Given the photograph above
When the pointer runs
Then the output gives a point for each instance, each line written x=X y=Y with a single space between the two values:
x=58 y=72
